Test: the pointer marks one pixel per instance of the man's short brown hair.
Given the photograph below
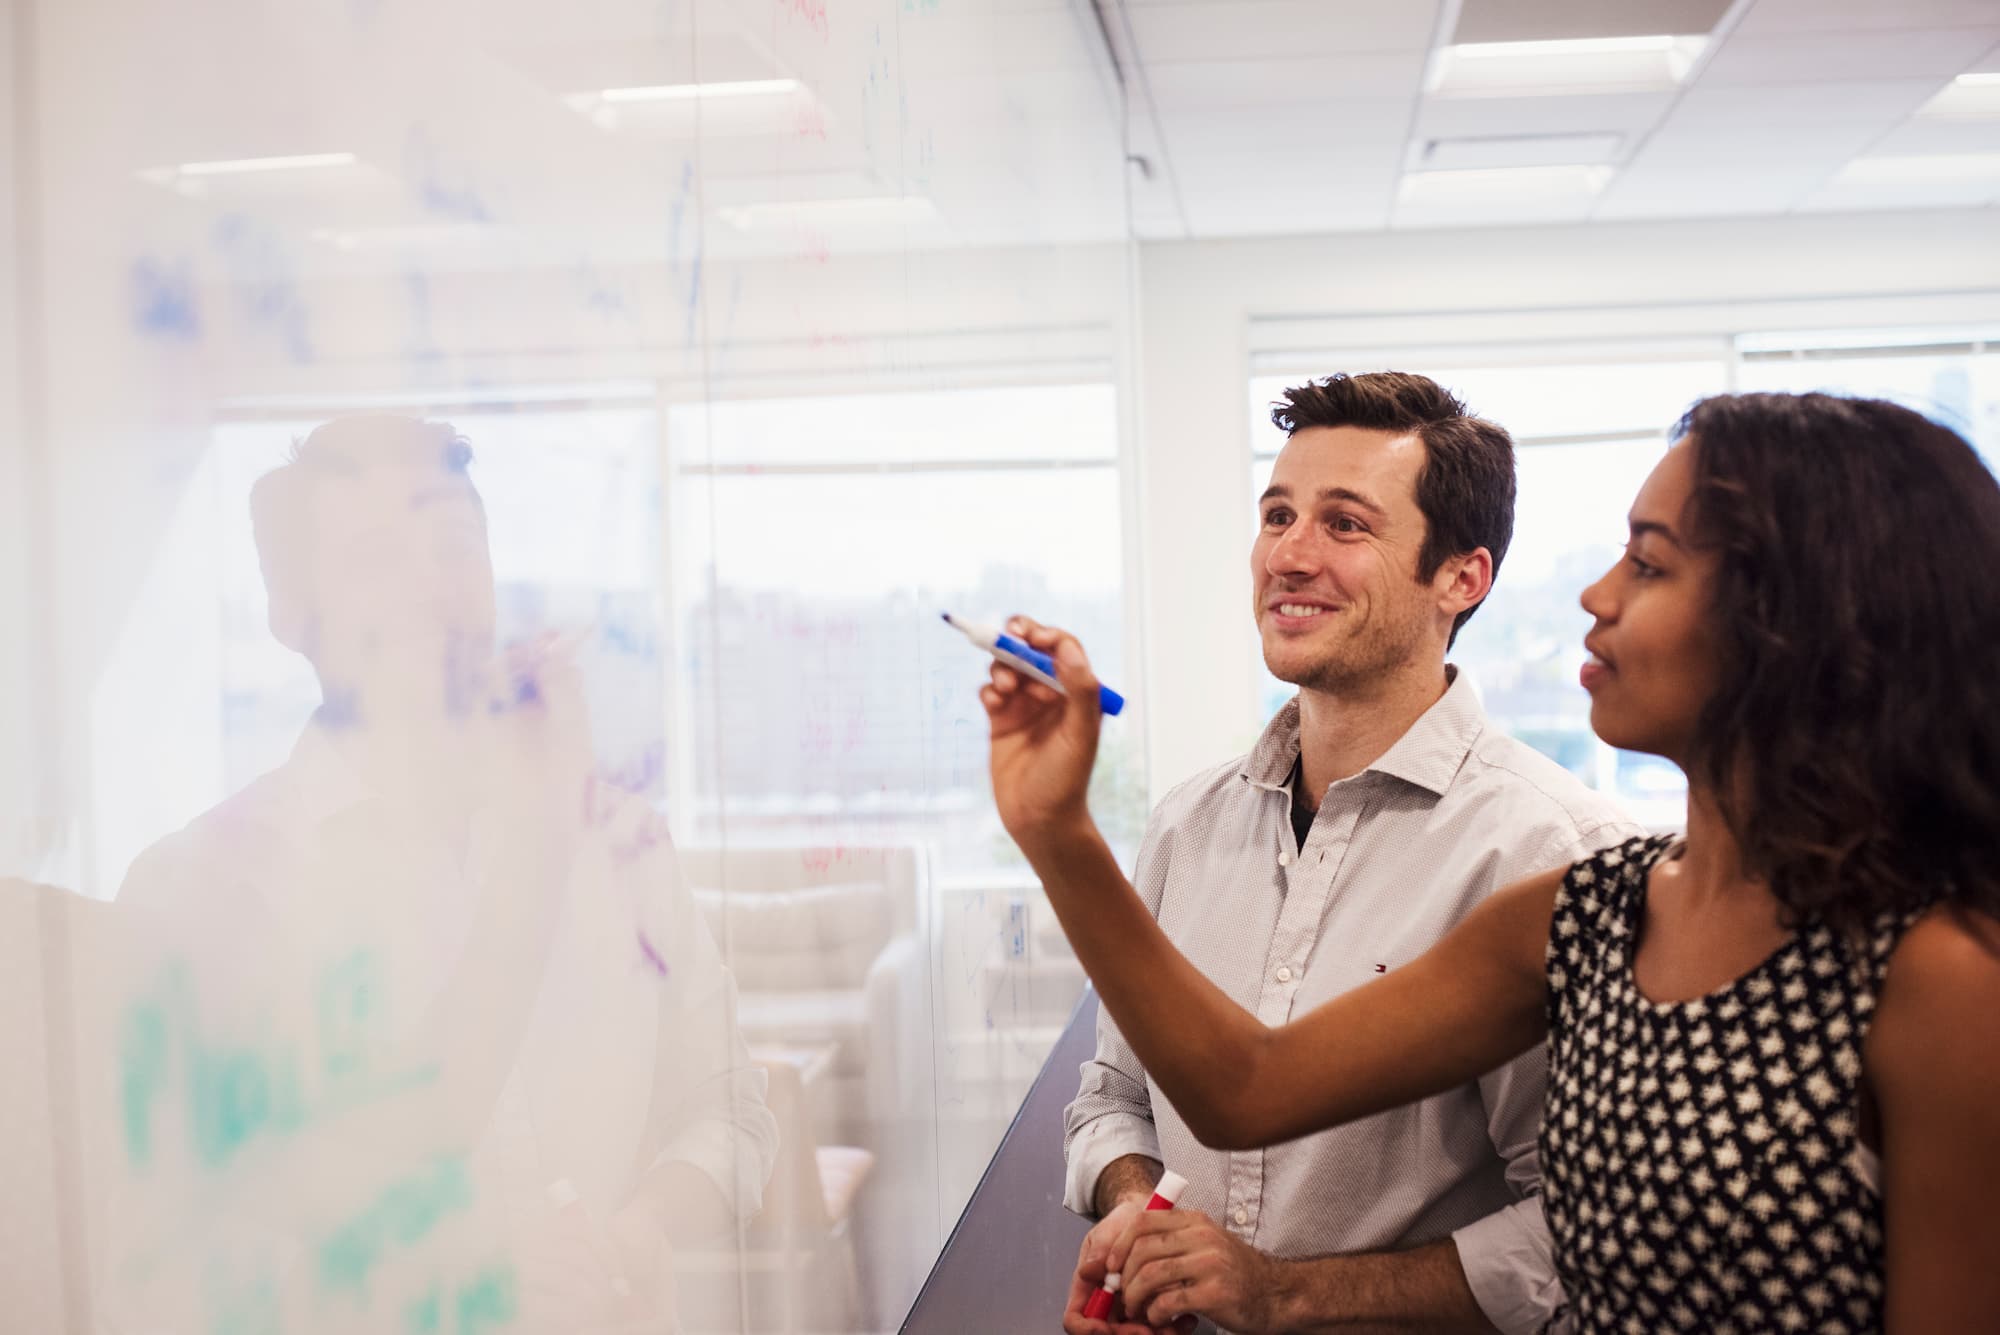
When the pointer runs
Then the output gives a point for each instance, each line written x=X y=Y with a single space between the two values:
x=1466 y=488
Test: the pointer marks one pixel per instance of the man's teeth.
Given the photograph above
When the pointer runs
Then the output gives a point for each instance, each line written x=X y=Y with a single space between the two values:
x=1299 y=609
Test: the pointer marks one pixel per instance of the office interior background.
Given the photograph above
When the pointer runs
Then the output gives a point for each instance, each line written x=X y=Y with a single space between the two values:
x=777 y=327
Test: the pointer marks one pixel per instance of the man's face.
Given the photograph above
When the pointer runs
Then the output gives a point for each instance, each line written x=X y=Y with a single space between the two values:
x=403 y=580
x=1334 y=569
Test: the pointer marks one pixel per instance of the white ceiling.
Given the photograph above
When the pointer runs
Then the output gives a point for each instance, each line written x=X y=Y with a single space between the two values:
x=1264 y=117
x=922 y=124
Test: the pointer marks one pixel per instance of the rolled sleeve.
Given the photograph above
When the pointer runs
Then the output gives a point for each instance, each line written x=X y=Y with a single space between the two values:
x=736 y=1155
x=1508 y=1259
x=1112 y=1114
x=1093 y=1149
x=1510 y=1266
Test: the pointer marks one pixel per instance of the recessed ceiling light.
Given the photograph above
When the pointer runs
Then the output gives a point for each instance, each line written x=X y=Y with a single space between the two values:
x=874 y=211
x=1580 y=65
x=1922 y=169
x=241 y=166
x=675 y=104
x=1502 y=185
x=1577 y=46
x=194 y=179
x=682 y=92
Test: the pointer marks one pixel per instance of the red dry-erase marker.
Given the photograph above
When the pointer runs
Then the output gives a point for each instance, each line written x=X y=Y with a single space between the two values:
x=1098 y=1306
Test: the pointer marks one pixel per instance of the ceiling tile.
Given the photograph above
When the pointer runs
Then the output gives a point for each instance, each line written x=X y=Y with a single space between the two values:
x=1707 y=191
x=1818 y=57
x=1555 y=20
x=1970 y=193
x=1374 y=128
x=1269 y=29
x=1877 y=102
x=1789 y=16
x=1923 y=136
x=1441 y=118
x=1188 y=84
x=1779 y=148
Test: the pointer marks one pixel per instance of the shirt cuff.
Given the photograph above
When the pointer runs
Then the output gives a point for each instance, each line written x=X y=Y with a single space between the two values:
x=734 y=1162
x=1091 y=1150
x=1509 y=1264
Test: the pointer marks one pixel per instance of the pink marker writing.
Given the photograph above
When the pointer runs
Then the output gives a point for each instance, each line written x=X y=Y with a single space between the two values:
x=1098 y=1306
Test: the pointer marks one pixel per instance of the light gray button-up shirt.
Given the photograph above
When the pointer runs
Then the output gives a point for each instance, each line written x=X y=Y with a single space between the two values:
x=1396 y=856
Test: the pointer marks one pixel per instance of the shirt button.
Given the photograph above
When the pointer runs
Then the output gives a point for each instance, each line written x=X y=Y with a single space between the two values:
x=1242 y=1216
x=1284 y=859
x=1284 y=976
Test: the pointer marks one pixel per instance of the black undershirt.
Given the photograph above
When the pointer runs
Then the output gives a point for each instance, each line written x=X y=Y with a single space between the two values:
x=1302 y=815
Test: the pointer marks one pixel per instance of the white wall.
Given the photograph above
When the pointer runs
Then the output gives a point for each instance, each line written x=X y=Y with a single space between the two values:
x=1200 y=300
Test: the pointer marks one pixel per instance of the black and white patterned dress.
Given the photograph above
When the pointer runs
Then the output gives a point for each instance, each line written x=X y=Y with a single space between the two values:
x=1701 y=1162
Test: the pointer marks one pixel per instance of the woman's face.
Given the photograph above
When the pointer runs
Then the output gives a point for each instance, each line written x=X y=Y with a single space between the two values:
x=1653 y=645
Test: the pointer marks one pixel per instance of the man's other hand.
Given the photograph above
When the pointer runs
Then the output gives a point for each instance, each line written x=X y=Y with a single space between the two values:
x=1090 y=1272
x=1177 y=1264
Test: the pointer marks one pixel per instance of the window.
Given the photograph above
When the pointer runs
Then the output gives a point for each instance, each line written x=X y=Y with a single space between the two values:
x=1949 y=375
x=822 y=539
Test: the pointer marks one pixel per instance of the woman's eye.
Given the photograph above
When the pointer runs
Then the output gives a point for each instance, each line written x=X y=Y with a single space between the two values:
x=1642 y=569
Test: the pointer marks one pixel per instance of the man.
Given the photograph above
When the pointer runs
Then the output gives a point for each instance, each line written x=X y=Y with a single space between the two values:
x=421 y=1030
x=1376 y=809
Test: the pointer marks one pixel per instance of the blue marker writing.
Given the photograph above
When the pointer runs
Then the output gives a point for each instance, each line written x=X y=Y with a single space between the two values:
x=1026 y=659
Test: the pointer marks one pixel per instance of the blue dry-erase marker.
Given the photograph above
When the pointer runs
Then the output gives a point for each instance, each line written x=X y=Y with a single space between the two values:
x=1025 y=658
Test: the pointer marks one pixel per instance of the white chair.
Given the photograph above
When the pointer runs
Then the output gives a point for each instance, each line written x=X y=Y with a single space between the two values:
x=829 y=971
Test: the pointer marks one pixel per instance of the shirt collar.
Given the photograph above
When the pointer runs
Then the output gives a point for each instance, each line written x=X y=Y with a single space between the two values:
x=1428 y=755
x=319 y=782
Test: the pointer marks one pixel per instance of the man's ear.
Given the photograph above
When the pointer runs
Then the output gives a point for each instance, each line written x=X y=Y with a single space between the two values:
x=1464 y=581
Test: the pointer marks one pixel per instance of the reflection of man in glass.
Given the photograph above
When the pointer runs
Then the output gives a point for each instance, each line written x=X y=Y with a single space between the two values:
x=424 y=1033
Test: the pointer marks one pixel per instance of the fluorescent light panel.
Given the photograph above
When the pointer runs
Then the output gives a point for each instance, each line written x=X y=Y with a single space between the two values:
x=1577 y=46
x=684 y=92
x=1585 y=64
x=1524 y=185
x=245 y=166
x=1923 y=169
x=1978 y=79
x=874 y=211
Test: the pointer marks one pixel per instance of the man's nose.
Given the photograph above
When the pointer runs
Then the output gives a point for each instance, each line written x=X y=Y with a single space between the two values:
x=1294 y=553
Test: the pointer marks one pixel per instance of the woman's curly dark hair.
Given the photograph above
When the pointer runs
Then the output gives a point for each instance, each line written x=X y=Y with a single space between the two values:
x=1854 y=745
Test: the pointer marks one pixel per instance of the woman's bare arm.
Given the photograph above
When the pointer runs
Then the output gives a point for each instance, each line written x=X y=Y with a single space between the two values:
x=1931 y=1062
x=1470 y=1003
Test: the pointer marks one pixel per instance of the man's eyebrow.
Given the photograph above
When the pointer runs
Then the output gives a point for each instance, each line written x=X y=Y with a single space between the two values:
x=1641 y=527
x=1348 y=494
x=1353 y=497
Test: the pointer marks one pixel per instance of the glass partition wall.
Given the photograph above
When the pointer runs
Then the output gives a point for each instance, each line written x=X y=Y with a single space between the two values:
x=496 y=826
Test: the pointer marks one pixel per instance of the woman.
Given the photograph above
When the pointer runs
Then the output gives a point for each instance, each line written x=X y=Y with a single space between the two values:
x=1774 y=1091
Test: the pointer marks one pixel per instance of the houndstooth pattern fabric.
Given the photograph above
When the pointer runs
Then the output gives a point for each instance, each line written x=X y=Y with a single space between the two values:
x=1700 y=1158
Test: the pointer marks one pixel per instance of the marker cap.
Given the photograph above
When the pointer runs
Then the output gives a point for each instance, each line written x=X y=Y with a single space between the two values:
x=1170 y=1187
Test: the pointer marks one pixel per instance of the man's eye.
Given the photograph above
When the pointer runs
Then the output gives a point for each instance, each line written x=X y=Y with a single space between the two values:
x=1347 y=524
x=1277 y=516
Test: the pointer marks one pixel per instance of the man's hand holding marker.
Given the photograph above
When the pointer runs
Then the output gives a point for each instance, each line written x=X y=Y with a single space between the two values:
x=1094 y=1302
